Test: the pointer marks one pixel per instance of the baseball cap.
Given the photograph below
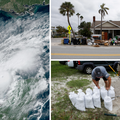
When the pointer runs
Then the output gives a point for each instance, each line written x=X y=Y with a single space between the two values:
x=98 y=72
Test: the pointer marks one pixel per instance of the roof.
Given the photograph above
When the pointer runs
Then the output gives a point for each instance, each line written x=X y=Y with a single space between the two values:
x=107 y=24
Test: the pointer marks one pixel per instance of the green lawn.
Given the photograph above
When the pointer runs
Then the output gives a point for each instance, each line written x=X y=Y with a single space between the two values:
x=59 y=70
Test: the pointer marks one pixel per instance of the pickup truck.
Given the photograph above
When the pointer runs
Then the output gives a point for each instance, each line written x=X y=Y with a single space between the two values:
x=88 y=66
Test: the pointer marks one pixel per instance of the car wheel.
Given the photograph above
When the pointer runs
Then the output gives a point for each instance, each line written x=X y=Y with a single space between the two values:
x=88 y=69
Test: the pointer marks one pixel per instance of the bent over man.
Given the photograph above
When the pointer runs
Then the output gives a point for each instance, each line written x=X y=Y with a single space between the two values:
x=100 y=72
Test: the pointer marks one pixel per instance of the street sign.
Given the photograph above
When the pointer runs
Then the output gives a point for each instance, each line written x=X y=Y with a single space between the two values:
x=69 y=28
x=69 y=32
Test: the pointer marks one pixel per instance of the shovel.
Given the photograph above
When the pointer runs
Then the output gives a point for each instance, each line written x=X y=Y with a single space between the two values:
x=112 y=69
x=111 y=115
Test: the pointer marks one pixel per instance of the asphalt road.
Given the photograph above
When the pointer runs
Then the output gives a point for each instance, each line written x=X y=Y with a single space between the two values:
x=59 y=51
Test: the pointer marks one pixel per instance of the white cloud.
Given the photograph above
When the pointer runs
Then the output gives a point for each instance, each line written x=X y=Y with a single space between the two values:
x=87 y=8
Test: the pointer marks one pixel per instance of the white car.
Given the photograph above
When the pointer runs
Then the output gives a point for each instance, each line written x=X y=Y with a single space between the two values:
x=72 y=63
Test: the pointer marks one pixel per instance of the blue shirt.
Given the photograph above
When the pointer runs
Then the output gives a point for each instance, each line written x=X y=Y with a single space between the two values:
x=103 y=70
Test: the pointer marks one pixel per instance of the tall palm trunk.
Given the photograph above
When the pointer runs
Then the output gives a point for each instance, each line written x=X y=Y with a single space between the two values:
x=78 y=22
x=70 y=25
x=101 y=26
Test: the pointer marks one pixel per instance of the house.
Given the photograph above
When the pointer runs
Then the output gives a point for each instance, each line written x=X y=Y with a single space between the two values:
x=110 y=28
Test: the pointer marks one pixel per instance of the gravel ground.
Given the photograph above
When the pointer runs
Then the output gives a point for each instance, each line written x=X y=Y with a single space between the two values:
x=57 y=86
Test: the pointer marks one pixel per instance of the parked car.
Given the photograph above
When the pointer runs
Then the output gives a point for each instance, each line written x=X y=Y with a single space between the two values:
x=88 y=66
x=72 y=63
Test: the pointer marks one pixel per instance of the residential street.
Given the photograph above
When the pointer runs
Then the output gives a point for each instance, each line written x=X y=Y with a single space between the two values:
x=59 y=51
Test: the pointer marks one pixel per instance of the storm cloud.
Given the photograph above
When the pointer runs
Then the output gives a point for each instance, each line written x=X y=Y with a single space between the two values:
x=86 y=8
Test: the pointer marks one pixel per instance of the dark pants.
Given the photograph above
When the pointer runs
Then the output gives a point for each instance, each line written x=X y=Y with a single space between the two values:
x=97 y=79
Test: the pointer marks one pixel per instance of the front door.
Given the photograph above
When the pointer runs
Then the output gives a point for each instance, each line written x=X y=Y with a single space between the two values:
x=105 y=36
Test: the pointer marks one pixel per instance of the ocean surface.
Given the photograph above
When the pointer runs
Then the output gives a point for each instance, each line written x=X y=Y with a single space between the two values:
x=24 y=65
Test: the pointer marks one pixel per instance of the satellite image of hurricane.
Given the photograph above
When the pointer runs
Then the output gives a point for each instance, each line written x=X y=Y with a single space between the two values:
x=24 y=60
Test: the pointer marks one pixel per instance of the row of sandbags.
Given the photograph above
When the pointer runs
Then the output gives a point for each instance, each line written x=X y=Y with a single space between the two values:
x=92 y=98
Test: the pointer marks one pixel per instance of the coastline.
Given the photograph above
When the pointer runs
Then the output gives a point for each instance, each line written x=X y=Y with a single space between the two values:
x=29 y=10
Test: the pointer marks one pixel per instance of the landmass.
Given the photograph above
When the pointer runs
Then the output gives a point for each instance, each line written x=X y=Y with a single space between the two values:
x=20 y=6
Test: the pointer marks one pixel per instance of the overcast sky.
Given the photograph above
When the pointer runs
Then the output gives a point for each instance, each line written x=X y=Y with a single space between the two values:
x=86 y=8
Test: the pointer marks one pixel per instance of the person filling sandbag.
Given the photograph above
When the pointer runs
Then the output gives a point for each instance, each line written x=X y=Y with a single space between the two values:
x=100 y=72
x=108 y=103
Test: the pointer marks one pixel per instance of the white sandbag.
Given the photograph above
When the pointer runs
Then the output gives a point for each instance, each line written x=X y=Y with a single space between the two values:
x=96 y=90
x=73 y=97
x=111 y=92
x=96 y=100
x=88 y=101
x=81 y=94
x=89 y=91
x=79 y=90
x=108 y=103
x=103 y=92
x=80 y=103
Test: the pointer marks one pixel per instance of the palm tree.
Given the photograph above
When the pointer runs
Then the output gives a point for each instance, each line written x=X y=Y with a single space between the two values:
x=78 y=14
x=81 y=17
x=102 y=11
x=67 y=9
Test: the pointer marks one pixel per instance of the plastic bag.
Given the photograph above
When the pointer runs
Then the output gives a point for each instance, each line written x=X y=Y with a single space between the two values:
x=108 y=103
x=88 y=101
x=103 y=92
x=96 y=100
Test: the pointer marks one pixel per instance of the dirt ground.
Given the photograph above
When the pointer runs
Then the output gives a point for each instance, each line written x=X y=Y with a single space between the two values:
x=115 y=83
x=116 y=102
